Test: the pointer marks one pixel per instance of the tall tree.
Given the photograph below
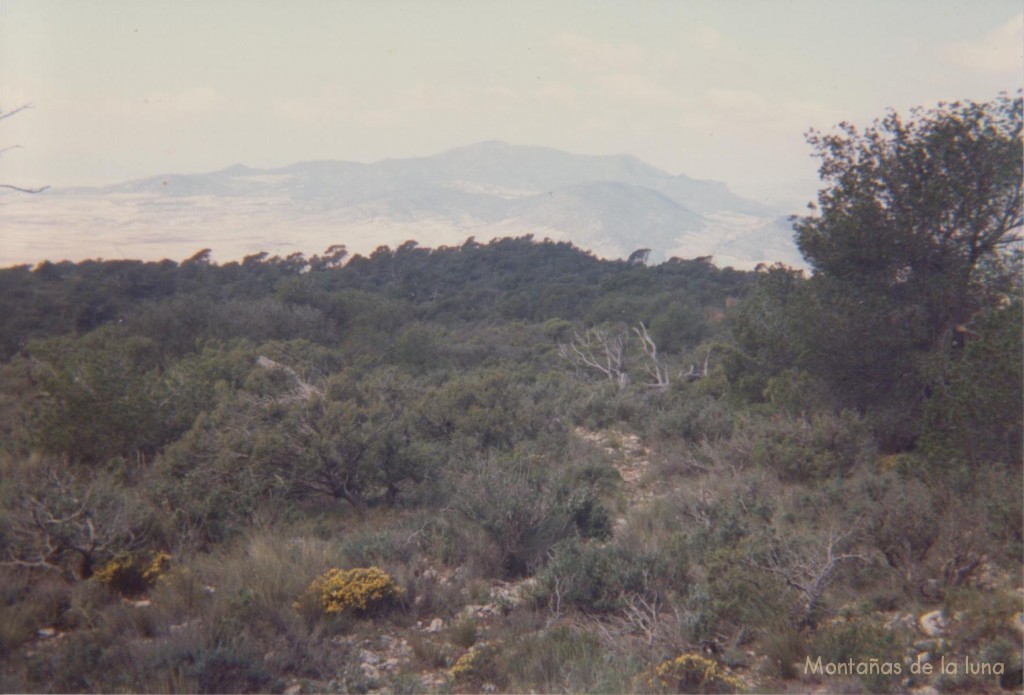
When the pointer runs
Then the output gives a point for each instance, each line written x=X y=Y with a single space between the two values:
x=915 y=221
x=913 y=209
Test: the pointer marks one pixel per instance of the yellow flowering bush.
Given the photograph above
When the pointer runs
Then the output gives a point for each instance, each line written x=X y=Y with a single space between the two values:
x=693 y=673
x=361 y=590
x=476 y=666
x=130 y=574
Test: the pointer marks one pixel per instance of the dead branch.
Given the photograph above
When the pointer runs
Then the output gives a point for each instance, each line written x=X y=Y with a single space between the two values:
x=14 y=111
x=809 y=569
x=658 y=372
x=66 y=526
x=23 y=190
x=694 y=374
x=600 y=351
x=8 y=186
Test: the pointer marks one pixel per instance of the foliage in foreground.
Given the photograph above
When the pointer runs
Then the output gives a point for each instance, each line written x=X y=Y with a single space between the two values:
x=761 y=467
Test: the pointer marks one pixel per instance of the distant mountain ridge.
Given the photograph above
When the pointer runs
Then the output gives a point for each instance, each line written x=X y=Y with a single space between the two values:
x=610 y=204
x=491 y=163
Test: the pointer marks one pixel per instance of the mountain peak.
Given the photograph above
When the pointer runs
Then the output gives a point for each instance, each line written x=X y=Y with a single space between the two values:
x=489 y=145
x=236 y=170
x=611 y=204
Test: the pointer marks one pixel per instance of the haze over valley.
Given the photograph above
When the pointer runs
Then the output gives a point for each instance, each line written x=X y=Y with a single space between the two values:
x=610 y=205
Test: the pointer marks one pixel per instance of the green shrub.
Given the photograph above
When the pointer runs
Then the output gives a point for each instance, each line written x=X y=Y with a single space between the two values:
x=596 y=578
x=564 y=659
x=516 y=512
x=377 y=548
x=29 y=603
x=742 y=594
x=431 y=653
x=683 y=413
x=859 y=640
x=784 y=651
x=464 y=632
x=983 y=616
x=589 y=515
x=72 y=666
x=479 y=666
x=227 y=671
x=801 y=449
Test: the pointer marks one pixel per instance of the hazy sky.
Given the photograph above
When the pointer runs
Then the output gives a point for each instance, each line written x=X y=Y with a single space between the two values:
x=719 y=90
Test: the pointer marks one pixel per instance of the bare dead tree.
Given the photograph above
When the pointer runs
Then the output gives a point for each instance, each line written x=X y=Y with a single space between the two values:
x=20 y=189
x=643 y=614
x=302 y=390
x=66 y=525
x=598 y=350
x=694 y=374
x=809 y=568
x=700 y=510
x=657 y=371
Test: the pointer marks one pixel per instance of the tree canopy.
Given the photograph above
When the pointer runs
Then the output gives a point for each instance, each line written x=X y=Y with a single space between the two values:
x=916 y=234
x=915 y=208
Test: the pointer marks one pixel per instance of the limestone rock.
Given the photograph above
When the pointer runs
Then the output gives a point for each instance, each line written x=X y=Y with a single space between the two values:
x=932 y=624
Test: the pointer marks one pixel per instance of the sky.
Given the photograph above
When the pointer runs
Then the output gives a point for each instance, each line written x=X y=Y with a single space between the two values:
x=722 y=90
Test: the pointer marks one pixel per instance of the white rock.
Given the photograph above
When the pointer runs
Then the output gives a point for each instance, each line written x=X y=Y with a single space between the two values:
x=293 y=690
x=46 y=632
x=436 y=625
x=932 y=624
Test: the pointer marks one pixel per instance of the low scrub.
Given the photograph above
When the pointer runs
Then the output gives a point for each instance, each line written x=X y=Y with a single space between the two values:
x=693 y=673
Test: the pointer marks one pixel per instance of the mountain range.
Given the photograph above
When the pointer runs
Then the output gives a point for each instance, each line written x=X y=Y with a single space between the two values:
x=610 y=205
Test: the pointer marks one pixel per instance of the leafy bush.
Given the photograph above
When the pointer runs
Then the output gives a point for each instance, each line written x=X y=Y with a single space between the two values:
x=693 y=673
x=741 y=593
x=129 y=574
x=589 y=515
x=464 y=632
x=686 y=413
x=568 y=660
x=801 y=449
x=27 y=604
x=859 y=640
x=784 y=650
x=517 y=511
x=597 y=578
x=69 y=521
x=361 y=591
x=224 y=670
x=479 y=666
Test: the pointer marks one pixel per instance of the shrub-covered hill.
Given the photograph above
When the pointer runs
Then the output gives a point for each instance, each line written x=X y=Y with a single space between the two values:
x=551 y=466
x=517 y=467
x=507 y=279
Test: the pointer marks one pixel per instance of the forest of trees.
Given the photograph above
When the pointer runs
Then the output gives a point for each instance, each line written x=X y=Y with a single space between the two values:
x=514 y=466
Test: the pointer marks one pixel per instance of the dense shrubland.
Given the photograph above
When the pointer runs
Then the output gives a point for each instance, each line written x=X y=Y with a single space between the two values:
x=515 y=465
